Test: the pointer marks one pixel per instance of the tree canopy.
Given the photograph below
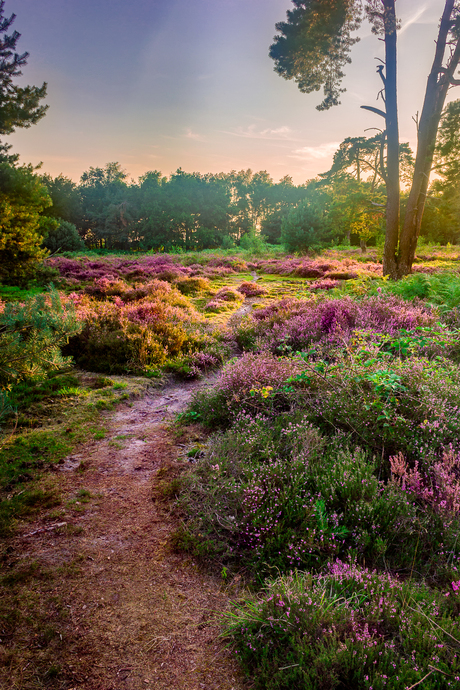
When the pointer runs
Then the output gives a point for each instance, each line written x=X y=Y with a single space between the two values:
x=19 y=105
x=313 y=46
x=314 y=43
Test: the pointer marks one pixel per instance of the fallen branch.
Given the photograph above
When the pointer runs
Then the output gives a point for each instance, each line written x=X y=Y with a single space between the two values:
x=46 y=529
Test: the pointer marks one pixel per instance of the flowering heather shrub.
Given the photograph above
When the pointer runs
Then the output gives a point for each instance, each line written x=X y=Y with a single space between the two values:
x=240 y=489
x=246 y=384
x=324 y=284
x=195 y=364
x=235 y=263
x=300 y=323
x=389 y=406
x=317 y=268
x=438 y=486
x=350 y=627
x=141 y=268
x=158 y=289
x=254 y=371
x=281 y=267
x=271 y=492
x=106 y=286
x=308 y=271
x=135 y=335
x=223 y=298
x=193 y=285
x=249 y=289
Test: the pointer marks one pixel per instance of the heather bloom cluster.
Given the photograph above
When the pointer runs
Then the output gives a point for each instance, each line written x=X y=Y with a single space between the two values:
x=324 y=284
x=438 y=486
x=327 y=268
x=282 y=523
x=300 y=323
x=197 y=363
x=409 y=405
x=251 y=289
x=141 y=326
x=254 y=371
x=142 y=268
x=347 y=627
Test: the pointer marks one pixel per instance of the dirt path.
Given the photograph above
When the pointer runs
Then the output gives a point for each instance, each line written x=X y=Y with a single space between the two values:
x=139 y=615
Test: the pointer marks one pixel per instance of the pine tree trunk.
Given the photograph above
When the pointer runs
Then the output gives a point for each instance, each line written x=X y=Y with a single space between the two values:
x=392 y=133
x=439 y=81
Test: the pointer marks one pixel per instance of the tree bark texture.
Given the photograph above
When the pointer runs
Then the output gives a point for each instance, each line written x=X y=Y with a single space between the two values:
x=439 y=81
x=392 y=134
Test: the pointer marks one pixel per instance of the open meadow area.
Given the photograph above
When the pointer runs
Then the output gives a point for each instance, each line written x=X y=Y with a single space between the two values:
x=249 y=458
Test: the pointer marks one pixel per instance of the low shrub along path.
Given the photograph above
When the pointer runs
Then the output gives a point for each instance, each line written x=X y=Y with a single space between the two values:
x=122 y=609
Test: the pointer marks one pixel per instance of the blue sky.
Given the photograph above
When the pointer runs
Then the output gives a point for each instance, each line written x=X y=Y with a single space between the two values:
x=163 y=84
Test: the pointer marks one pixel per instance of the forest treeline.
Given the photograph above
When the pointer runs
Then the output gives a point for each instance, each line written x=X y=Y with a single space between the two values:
x=193 y=211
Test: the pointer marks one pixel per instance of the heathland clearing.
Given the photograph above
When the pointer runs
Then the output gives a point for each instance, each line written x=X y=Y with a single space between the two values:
x=325 y=454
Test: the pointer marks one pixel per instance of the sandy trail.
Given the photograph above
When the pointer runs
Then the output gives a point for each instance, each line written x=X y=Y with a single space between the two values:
x=140 y=615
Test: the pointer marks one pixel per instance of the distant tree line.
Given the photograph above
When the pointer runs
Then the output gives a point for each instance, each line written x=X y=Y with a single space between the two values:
x=357 y=201
x=189 y=211
x=193 y=211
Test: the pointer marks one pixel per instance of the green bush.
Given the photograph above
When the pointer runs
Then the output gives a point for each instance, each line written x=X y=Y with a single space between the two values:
x=348 y=628
x=304 y=228
x=276 y=494
x=64 y=238
x=194 y=285
x=22 y=199
x=253 y=242
x=32 y=334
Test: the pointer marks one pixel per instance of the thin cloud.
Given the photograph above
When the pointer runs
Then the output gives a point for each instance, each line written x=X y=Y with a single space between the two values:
x=316 y=152
x=194 y=135
x=251 y=132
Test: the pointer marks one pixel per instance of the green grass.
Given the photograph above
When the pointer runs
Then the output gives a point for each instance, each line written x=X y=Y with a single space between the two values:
x=26 y=393
x=52 y=417
x=12 y=293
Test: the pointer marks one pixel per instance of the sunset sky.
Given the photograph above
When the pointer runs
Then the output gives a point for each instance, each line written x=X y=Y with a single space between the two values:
x=163 y=84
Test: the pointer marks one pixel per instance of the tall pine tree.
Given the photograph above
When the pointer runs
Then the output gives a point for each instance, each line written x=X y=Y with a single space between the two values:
x=19 y=105
x=313 y=46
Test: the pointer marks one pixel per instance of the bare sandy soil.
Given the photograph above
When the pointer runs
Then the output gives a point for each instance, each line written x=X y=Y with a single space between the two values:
x=139 y=615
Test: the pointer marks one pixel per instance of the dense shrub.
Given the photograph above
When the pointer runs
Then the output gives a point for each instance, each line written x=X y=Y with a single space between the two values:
x=32 y=334
x=139 y=333
x=297 y=324
x=273 y=493
x=350 y=627
x=253 y=382
x=389 y=406
x=249 y=289
x=64 y=238
x=191 y=286
x=23 y=199
x=144 y=268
